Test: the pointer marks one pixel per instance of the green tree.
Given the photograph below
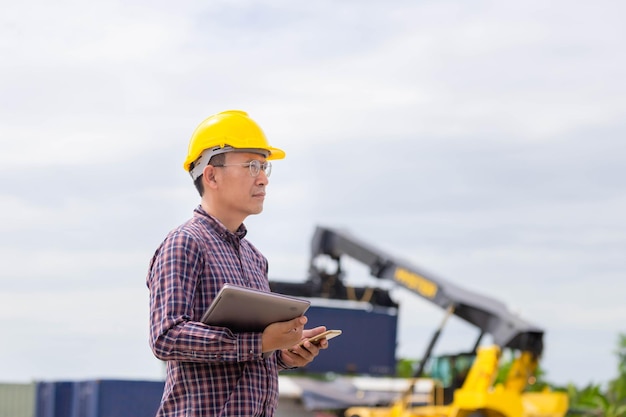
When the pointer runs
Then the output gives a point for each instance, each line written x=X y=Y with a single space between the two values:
x=616 y=393
x=592 y=401
x=406 y=367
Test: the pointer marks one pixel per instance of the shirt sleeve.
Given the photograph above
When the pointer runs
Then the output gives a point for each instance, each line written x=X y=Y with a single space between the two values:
x=172 y=279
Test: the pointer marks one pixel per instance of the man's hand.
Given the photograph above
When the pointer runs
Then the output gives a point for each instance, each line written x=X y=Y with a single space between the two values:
x=301 y=354
x=283 y=334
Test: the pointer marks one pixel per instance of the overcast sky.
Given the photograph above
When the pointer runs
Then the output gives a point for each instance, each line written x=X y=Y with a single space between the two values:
x=483 y=141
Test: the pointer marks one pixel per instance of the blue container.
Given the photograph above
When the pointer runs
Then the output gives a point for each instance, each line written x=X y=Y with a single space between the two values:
x=54 y=399
x=367 y=344
x=116 y=398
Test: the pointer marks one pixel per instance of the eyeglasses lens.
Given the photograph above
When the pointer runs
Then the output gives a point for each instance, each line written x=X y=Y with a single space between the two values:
x=257 y=166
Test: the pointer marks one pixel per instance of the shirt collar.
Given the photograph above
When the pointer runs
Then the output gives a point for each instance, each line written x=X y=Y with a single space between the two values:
x=218 y=227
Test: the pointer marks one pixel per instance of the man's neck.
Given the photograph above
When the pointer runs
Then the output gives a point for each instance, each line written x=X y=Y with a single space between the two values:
x=230 y=222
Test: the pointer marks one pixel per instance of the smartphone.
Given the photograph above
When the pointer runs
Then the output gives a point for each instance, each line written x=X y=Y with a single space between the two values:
x=328 y=334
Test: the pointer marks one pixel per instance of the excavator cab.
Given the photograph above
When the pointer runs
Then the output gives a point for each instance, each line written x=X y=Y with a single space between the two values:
x=450 y=372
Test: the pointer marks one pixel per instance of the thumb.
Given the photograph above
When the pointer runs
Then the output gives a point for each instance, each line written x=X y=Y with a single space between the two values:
x=297 y=323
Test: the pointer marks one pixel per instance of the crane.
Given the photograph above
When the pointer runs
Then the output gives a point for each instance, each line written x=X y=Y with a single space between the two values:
x=467 y=392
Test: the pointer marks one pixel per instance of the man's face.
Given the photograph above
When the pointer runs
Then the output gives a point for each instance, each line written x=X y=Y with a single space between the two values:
x=239 y=192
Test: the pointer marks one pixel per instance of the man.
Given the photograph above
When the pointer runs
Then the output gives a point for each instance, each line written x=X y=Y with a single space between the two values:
x=213 y=371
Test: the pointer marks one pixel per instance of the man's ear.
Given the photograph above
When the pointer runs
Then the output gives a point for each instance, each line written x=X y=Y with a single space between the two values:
x=208 y=175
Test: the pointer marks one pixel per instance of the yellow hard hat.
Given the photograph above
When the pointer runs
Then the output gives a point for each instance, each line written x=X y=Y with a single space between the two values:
x=226 y=131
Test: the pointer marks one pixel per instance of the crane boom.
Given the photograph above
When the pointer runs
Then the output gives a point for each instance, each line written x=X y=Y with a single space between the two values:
x=489 y=315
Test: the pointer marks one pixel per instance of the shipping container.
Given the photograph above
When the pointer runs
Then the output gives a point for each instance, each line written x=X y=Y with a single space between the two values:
x=116 y=398
x=367 y=344
x=54 y=398
x=17 y=400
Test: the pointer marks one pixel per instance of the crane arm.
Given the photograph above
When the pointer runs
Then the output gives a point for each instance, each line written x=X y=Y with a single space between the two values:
x=489 y=315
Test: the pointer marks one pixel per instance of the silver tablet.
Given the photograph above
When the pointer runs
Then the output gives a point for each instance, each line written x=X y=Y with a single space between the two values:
x=247 y=309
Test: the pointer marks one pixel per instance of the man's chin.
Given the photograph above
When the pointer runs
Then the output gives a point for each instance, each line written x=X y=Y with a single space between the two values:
x=256 y=210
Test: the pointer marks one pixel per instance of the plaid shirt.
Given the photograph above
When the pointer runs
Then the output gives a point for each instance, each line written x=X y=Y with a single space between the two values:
x=211 y=371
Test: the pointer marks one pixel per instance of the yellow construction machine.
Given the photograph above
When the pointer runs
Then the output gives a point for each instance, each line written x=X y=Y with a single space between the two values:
x=461 y=385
